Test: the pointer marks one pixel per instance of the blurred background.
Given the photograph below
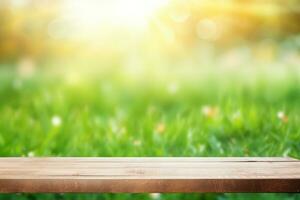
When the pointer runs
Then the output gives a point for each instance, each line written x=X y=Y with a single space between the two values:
x=150 y=78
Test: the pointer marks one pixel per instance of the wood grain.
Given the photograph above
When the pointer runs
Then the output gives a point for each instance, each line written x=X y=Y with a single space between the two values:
x=140 y=175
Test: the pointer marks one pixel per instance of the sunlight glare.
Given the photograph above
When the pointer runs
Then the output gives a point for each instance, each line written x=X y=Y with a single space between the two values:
x=120 y=13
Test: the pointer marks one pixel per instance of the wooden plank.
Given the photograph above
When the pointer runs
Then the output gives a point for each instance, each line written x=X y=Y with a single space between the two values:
x=148 y=159
x=139 y=175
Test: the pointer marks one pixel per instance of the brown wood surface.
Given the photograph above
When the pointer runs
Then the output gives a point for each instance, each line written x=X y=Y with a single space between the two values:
x=140 y=175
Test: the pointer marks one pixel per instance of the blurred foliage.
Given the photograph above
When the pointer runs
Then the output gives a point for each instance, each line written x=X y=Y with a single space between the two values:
x=39 y=30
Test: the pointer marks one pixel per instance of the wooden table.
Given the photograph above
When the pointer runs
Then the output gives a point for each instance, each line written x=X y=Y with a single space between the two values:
x=145 y=175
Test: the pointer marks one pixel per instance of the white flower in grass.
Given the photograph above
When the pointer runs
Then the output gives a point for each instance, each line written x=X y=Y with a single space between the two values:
x=210 y=111
x=155 y=195
x=282 y=116
x=30 y=154
x=56 y=121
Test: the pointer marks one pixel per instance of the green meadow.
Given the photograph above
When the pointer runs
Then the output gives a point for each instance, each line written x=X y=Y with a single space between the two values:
x=251 y=112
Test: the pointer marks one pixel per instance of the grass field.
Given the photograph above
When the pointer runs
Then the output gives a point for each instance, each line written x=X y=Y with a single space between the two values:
x=249 y=113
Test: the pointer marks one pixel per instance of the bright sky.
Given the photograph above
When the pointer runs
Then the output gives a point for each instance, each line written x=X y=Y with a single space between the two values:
x=124 y=13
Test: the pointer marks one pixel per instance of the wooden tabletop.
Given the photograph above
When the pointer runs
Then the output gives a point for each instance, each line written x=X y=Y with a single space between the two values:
x=141 y=175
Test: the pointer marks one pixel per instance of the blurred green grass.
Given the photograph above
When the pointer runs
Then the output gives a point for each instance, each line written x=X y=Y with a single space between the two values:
x=111 y=115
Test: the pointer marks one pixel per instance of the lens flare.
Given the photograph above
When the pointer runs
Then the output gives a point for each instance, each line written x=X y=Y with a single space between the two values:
x=121 y=13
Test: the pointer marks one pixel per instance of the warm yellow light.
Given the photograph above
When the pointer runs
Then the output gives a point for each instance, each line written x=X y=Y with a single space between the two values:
x=121 y=13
